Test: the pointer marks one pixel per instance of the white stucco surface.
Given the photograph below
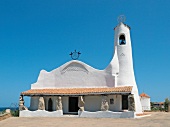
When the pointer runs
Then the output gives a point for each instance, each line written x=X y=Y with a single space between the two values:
x=93 y=103
x=76 y=74
x=138 y=106
x=40 y=113
x=117 y=105
x=65 y=104
x=126 y=75
x=54 y=99
x=59 y=113
x=124 y=54
x=145 y=102
x=34 y=103
x=107 y=114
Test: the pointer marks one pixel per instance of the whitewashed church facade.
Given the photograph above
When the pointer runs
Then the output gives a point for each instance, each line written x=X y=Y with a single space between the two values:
x=77 y=88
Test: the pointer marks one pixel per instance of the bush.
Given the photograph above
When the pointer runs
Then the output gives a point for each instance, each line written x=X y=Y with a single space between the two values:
x=166 y=103
x=155 y=109
x=161 y=109
x=3 y=111
x=15 y=113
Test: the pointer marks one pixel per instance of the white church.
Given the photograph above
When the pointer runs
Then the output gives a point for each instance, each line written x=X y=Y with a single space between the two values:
x=79 y=89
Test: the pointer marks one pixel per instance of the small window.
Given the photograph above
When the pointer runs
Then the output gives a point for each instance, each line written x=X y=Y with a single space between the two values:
x=122 y=40
x=111 y=101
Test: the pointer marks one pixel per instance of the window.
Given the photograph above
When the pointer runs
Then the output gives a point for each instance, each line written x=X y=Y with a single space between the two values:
x=111 y=101
x=122 y=40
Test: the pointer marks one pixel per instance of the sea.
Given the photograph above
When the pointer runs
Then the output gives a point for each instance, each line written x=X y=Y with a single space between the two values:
x=11 y=108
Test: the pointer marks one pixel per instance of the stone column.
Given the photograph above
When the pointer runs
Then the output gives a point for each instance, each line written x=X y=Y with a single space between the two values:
x=131 y=103
x=59 y=103
x=41 y=104
x=104 y=104
x=21 y=104
x=81 y=103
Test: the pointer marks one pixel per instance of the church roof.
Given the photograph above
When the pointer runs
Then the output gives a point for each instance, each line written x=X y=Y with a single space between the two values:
x=144 y=95
x=121 y=23
x=78 y=91
x=74 y=74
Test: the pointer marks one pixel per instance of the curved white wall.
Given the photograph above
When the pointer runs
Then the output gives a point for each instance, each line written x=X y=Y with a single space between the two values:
x=74 y=74
x=124 y=53
x=126 y=75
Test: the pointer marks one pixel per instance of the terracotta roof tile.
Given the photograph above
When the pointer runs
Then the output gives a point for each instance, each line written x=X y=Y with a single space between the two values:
x=144 y=95
x=161 y=103
x=77 y=91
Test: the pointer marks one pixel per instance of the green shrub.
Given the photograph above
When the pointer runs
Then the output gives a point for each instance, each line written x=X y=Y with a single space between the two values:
x=166 y=103
x=15 y=113
x=155 y=109
x=3 y=111
x=161 y=109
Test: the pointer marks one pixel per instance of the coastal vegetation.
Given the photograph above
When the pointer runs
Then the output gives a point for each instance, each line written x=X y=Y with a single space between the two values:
x=167 y=105
x=15 y=113
x=161 y=106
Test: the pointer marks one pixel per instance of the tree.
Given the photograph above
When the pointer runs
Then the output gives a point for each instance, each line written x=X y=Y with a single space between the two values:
x=166 y=104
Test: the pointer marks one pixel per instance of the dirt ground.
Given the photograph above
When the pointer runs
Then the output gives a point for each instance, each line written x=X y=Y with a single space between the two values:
x=157 y=119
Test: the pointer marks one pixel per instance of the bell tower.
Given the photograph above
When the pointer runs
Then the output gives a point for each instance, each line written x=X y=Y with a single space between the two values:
x=121 y=65
x=122 y=42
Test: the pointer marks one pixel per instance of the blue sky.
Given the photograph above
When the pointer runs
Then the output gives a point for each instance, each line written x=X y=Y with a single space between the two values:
x=36 y=35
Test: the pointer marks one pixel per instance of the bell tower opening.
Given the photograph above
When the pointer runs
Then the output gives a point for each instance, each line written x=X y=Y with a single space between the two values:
x=122 y=40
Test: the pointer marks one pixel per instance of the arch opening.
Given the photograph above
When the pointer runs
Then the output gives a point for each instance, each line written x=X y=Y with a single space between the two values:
x=122 y=40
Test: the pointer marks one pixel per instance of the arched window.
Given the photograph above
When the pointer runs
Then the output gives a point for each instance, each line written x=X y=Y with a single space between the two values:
x=122 y=40
x=50 y=105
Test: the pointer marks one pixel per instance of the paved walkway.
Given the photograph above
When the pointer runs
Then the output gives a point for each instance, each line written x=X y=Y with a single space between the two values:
x=4 y=116
x=158 y=119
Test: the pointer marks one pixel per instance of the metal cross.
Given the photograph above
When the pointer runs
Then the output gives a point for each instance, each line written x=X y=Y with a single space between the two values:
x=121 y=18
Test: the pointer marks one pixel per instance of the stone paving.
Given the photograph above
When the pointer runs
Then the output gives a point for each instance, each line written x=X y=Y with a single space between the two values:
x=4 y=116
x=157 y=119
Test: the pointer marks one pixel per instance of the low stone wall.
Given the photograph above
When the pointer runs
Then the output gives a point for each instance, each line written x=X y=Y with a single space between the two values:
x=5 y=116
x=59 y=113
x=40 y=113
x=106 y=114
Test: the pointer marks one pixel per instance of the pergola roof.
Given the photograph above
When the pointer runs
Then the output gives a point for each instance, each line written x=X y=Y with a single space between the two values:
x=78 y=91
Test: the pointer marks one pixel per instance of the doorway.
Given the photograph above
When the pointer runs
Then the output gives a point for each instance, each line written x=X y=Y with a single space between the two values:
x=50 y=105
x=73 y=104
x=124 y=102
